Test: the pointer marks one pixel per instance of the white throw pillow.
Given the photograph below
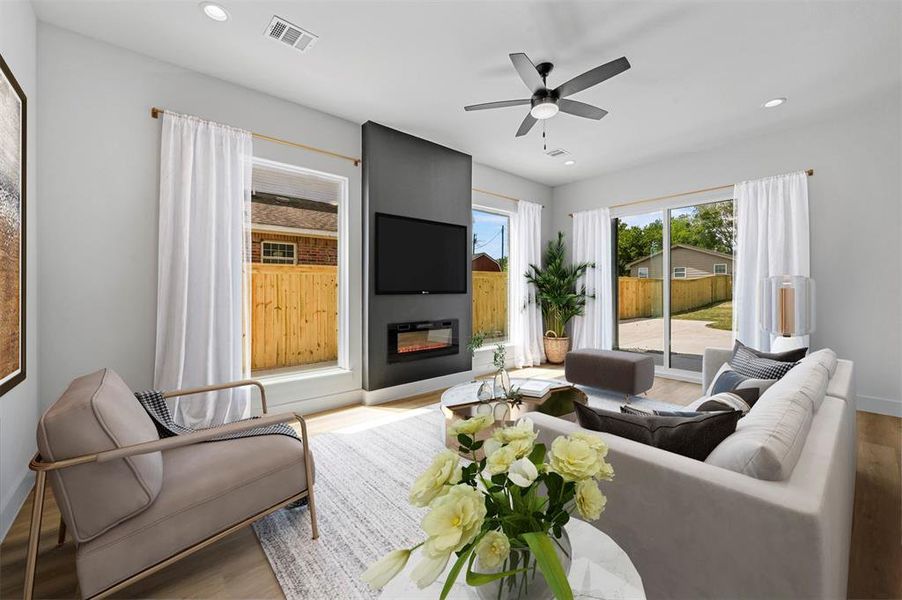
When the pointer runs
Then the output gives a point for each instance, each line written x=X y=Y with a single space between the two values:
x=736 y=382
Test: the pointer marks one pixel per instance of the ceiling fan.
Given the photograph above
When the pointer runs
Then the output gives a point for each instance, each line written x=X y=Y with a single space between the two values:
x=545 y=102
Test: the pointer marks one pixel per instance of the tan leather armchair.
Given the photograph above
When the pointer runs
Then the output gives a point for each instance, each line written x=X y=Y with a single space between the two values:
x=136 y=503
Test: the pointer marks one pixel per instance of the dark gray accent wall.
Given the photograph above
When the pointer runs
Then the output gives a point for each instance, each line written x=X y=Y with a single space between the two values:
x=408 y=176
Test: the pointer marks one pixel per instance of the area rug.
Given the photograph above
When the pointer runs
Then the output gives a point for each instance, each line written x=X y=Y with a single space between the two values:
x=363 y=475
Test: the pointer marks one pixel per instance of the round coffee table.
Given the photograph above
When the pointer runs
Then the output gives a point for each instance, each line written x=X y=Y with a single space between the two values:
x=600 y=569
x=460 y=402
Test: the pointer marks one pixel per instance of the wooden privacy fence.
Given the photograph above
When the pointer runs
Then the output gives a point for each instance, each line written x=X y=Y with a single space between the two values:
x=294 y=315
x=490 y=302
x=640 y=298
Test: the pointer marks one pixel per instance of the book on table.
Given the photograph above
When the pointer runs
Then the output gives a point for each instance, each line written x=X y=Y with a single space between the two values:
x=536 y=388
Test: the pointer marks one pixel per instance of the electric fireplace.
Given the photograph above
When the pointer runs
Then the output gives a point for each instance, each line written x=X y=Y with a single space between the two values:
x=422 y=339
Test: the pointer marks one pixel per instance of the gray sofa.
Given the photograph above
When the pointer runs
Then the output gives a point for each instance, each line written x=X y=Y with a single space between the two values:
x=697 y=530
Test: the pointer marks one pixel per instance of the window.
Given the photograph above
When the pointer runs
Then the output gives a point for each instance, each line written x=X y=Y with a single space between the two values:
x=679 y=272
x=280 y=253
x=491 y=242
x=642 y=272
x=720 y=269
x=298 y=270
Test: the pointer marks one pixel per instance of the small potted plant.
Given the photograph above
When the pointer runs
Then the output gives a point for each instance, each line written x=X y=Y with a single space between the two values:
x=558 y=296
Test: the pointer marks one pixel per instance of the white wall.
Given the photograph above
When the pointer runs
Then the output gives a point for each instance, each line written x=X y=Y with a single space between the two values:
x=502 y=182
x=21 y=406
x=101 y=192
x=855 y=197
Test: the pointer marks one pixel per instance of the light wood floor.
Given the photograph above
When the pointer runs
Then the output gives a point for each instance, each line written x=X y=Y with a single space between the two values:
x=237 y=568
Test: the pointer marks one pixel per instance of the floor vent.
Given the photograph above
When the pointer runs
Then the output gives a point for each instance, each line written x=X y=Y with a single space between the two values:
x=291 y=35
x=556 y=152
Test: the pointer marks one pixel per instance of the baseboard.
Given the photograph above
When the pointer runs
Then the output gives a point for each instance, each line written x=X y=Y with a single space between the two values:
x=319 y=403
x=881 y=406
x=13 y=503
x=415 y=388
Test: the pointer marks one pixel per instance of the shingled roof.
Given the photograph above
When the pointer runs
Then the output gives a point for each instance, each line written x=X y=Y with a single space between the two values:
x=296 y=217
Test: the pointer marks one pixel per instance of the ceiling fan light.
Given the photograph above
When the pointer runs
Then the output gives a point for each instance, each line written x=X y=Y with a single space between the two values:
x=774 y=102
x=544 y=110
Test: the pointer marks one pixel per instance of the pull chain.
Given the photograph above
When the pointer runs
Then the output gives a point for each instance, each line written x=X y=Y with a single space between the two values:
x=544 y=140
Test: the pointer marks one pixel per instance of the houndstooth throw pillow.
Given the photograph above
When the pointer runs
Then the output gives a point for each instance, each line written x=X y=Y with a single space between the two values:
x=745 y=362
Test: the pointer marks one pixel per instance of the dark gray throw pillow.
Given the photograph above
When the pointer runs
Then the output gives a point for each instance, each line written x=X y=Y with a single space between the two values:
x=692 y=436
x=632 y=410
x=794 y=355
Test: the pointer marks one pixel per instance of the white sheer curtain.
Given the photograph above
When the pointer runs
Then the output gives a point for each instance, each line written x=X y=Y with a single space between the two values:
x=772 y=238
x=592 y=244
x=526 y=317
x=205 y=183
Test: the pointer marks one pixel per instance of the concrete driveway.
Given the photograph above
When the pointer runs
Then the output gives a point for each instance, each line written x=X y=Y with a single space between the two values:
x=686 y=337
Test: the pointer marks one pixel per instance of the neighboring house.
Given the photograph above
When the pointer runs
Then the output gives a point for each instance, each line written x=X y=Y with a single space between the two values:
x=686 y=262
x=293 y=231
x=484 y=262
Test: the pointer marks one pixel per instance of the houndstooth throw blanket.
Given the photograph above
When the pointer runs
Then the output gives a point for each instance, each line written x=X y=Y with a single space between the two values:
x=155 y=405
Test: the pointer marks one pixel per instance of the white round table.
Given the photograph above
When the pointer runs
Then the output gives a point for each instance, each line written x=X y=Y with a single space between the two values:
x=600 y=570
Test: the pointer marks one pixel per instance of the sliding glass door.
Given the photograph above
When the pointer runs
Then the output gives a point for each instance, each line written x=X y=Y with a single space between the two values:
x=640 y=291
x=675 y=282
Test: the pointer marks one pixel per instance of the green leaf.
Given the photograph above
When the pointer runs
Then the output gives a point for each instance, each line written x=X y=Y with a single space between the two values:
x=464 y=440
x=455 y=569
x=543 y=549
x=476 y=446
x=537 y=456
x=477 y=579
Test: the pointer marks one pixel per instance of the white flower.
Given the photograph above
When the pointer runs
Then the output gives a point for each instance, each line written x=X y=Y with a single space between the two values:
x=444 y=470
x=523 y=430
x=490 y=446
x=493 y=549
x=454 y=520
x=500 y=460
x=522 y=473
x=429 y=568
x=522 y=447
x=383 y=570
x=471 y=426
x=574 y=459
x=589 y=499
x=595 y=442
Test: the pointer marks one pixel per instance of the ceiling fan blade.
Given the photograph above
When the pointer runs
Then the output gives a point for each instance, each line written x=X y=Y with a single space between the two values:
x=581 y=109
x=527 y=72
x=501 y=104
x=592 y=77
x=526 y=125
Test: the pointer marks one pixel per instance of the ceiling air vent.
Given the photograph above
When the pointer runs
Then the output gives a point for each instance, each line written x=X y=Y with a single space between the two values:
x=556 y=152
x=290 y=34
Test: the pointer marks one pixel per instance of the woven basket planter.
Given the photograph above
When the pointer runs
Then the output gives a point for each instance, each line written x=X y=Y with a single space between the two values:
x=555 y=347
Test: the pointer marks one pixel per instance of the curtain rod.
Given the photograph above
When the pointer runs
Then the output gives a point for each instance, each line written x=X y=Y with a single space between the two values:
x=156 y=112
x=497 y=195
x=808 y=172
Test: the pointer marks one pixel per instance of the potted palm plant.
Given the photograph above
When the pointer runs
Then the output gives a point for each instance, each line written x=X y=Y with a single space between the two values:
x=558 y=296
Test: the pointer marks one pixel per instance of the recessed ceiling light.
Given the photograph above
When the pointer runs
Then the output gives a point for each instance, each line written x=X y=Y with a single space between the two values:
x=214 y=11
x=774 y=102
x=569 y=162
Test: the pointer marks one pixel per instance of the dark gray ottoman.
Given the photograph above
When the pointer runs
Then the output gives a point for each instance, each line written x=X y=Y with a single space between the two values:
x=625 y=373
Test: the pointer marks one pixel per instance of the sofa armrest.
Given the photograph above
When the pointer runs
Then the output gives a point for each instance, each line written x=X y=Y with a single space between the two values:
x=173 y=442
x=713 y=359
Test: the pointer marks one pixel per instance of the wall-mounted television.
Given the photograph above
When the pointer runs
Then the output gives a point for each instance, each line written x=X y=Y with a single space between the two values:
x=415 y=256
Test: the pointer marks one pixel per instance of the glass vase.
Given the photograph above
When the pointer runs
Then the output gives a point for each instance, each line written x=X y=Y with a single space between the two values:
x=502 y=383
x=530 y=584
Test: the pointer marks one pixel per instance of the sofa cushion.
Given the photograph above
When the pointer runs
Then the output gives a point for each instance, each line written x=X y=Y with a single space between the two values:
x=207 y=488
x=99 y=412
x=741 y=400
x=770 y=438
x=693 y=436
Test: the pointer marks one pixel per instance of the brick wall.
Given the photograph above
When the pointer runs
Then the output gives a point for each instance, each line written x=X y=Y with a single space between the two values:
x=310 y=250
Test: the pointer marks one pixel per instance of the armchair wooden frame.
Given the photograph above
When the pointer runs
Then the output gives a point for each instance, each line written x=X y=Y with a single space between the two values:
x=40 y=467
